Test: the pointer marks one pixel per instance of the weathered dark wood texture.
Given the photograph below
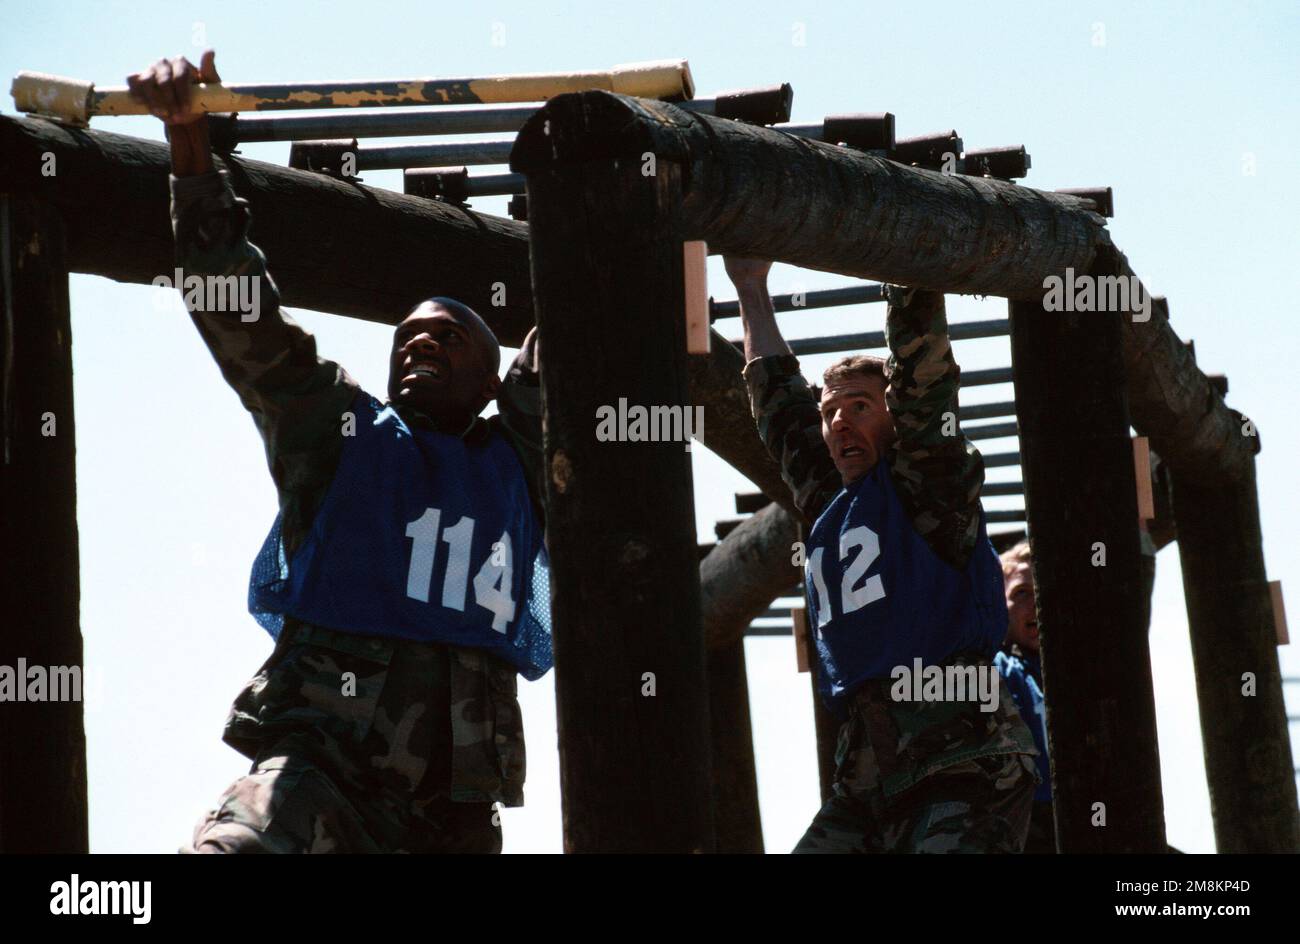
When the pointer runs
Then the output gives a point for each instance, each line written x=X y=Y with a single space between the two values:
x=371 y=254
x=755 y=191
x=735 y=780
x=608 y=286
x=739 y=578
x=332 y=246
x=1248 y=760
x=825 y=727
x=745 y=572
x=717 y=384
x=42 y=743
x=1171 y=401
x=1080 y=498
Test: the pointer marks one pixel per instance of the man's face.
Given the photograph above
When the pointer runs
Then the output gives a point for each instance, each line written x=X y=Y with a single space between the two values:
x=443 y=364
x=1022 y=619
x=856 y=425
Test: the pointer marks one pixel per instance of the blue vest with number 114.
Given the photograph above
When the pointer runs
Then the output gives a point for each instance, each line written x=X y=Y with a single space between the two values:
x=879 y=596
x=420 y=536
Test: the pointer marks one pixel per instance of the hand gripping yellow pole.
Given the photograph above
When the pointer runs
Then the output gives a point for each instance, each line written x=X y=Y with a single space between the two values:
x=75 y=101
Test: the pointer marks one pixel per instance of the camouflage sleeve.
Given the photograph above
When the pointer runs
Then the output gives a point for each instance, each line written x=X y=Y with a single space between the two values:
x=519 y=412
x=790 y=425
x=937 y=471
x=297 y=398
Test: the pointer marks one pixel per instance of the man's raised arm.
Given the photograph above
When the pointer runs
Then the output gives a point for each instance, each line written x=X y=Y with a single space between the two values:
x=937 y=471
x=519 y=415
x=297 y=399
x=788 y=417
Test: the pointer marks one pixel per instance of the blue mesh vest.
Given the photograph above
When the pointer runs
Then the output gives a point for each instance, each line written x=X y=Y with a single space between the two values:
x=1028 y=695
x=880 y=597
x=420 y=536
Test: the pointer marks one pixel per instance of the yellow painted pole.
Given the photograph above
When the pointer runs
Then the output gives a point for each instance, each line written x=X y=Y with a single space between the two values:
x=76 y=101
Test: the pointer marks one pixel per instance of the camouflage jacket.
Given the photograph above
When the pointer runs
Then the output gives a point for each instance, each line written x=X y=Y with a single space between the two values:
x=888 y=745
x=297 y=400
x=937 y=471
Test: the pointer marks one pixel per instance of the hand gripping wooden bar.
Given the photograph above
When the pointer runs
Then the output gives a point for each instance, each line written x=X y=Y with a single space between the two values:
x=76 y=101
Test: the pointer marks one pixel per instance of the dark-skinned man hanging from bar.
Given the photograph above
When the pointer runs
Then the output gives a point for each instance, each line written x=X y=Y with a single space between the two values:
x=386 y=718
x=901 y=580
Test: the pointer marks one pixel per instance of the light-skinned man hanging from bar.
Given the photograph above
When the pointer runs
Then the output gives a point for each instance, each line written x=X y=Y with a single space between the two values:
x=898 y=568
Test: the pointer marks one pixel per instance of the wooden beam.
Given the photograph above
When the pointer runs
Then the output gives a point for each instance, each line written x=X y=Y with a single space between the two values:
x=826 y=729
x=42 y=743
x=860 y=215
x=631 y=695
x=1101 y=720
x=736 y=817
x=849 y=212
x=1172 y=402
x=373 y=253
x=1248 y=760
x=745 y=572
x=739 y=578
x=716 y=382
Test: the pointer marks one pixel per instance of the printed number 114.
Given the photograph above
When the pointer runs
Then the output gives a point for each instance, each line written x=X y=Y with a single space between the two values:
x=492 y=583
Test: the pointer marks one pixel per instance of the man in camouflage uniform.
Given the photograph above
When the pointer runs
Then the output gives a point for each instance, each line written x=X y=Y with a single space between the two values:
x=1021 y=667
x=924 y=776
x=361 y=741
x=1022 y=672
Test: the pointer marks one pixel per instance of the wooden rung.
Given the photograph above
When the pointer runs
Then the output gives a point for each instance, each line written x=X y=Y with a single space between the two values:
x=1279 y=612
x=726 y=526
x=695 y=257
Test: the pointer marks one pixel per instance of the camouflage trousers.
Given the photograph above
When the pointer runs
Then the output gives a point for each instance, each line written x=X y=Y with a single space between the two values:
x=368 y=744
x=927 y=777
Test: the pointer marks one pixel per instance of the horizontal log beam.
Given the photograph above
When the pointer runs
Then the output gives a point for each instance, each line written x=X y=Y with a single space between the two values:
x=729 y=429
x=112 y=192
x=864 y=216
x=1173 y=403
x=745 y=572
x=373 y=254
x=759 y=192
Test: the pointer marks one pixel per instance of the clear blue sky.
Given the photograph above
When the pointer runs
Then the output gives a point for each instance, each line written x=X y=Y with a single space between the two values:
x=173 y=494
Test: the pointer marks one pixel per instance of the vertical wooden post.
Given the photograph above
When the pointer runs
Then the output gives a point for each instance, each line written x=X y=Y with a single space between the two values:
x=735 y=779
x=1238 y=681
x=1081 y=505
x=825 y=727
x=42 y=743
x=631 y=693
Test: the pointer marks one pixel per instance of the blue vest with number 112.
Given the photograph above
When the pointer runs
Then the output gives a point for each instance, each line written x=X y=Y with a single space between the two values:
x=420 y=536
x=879 y=596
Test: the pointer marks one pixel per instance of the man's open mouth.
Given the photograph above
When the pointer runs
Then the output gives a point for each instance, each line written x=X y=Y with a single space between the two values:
x=852 y=452
x=429 y=371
